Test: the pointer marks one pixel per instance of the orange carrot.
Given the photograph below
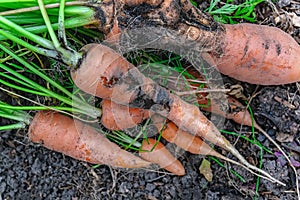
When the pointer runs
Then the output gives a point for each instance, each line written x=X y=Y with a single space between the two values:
x=160 y=155
x=183 y=139
x=119 y=117
x=236 y=111
x=80 y=141
x=257 y=54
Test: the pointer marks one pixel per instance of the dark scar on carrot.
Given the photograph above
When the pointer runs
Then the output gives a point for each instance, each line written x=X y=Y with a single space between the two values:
x=245 y=50
x=109 y=83
x=149 y=101
x=278 y=49
x=266 y=45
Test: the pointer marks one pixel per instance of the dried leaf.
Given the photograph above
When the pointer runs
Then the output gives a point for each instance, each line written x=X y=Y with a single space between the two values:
x=206 y=170
x=283 y=137
x=295 y=163
x=295 y=19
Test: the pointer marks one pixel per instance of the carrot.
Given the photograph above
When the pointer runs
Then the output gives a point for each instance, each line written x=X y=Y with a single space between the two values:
x=110 y=76
x=236 y=111
x=183 y=139
x=252 y=53
x=80 y=141
x=257 y=54
x=155 y=152
x=120 y=117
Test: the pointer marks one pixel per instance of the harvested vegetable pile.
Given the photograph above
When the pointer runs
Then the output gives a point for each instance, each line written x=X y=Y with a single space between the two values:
x=114 y=82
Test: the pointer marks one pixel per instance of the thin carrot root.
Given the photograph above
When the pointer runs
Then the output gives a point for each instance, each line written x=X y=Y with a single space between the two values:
x=154 y=151
x=243 y=117
x=283 y=153
x=120 y=117
x=80 y=141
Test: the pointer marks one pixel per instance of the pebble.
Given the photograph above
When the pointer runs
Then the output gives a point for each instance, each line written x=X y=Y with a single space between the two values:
x=150 y=187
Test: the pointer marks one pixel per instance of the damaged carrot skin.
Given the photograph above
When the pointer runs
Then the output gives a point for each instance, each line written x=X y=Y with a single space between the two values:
x=120 y=117
x=97 y=76
x=155 y=152
x=80 y=141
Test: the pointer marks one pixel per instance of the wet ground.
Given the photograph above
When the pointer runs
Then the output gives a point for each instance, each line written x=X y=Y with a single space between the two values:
x=29 y=171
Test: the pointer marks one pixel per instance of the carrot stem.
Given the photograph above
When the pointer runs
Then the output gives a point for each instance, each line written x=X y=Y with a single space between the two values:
x=18 y=125
x=76 y=102
x=35 y=38
x=16 y=80
x=67 y=56
x=69 y=23
x=48 y=24
x=13 y=117
x=61 y=23
x=260 y=166
x=142 y=132
x=39 y=50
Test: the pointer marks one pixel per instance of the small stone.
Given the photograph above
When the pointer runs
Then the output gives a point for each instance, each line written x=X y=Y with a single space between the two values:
x=271 y=132
x=283 y=3
x=150 y=187
x=2 y=187
x=261 y=138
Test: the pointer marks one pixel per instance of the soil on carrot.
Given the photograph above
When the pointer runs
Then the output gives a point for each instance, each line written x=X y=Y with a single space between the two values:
x=29 y=171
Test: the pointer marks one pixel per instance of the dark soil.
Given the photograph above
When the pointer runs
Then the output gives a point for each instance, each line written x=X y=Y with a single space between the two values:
x=29 y=171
